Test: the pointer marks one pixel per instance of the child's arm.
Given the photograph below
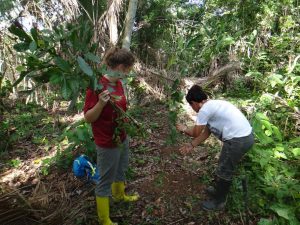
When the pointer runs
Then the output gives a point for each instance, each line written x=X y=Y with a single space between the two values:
x=93 y=114
x=202 y=133
x=193 y=131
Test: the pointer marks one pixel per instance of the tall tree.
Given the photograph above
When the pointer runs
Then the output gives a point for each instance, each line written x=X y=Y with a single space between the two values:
x=130 y=16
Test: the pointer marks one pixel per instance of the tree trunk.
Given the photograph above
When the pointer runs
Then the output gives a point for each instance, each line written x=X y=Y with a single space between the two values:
x=129 y=23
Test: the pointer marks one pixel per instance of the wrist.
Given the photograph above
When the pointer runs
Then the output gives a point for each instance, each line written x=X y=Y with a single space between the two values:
x=100 y=104
x=192 y=145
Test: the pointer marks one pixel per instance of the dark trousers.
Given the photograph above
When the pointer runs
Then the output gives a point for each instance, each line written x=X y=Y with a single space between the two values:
x=232 y=152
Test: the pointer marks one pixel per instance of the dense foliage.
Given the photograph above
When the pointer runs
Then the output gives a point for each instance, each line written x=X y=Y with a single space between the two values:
x=190 y=38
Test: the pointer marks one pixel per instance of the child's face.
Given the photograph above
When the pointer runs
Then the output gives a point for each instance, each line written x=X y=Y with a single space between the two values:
x=119 y=72
x=195 y=106
x=123 y=69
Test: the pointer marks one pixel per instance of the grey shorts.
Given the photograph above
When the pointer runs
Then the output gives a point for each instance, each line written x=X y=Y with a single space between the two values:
x=112 y=164
x=232 y=152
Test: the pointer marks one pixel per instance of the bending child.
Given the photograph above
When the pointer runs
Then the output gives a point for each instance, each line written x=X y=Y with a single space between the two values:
x=229 y=125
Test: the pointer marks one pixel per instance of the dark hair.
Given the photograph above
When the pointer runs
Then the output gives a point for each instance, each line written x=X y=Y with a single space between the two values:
x=116 y=56
x=195 y=94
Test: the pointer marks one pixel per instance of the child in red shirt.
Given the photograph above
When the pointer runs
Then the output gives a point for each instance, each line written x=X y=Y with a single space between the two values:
x=112 y=157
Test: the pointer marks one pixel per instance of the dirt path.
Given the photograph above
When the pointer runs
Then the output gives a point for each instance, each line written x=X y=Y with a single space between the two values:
x=170 y=185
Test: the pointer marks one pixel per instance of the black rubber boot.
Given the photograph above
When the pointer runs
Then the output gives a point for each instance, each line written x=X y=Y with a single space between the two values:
x=218 y=201
x=210 y=191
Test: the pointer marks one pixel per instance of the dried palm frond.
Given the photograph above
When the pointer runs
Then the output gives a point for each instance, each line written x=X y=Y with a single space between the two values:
x=14 y=206
x=109 y=20
x=71 y=6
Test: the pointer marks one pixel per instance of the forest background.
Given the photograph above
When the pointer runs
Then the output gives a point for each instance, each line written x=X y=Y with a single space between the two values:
x=247 y=52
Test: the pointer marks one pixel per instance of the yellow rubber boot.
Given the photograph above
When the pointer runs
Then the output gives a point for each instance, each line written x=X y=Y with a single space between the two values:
x=103 y=210
x=118 y=193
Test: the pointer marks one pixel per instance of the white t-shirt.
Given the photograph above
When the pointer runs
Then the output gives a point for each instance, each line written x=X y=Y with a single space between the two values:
x=223 y=119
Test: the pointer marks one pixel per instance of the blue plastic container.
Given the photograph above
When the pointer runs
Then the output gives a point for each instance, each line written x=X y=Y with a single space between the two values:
x=83 y=167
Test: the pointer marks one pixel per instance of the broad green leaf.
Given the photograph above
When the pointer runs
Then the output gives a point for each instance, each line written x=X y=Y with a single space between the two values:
x=296 y=151
x=295 y=140
x=22 y=35
x=34 y=34
x=62 y=64
x=98 y=86
x=277 y=133
x=171 y=61
x=275 y=79
x=92 y=57
x=295 y=79
x=84 y=66
x=80 y=134
x=268 y=133
x=261 y=116
x=66 y=91
x=279 y=155
x=21 y=68
x=264 y=221
x=282 y=210
x=74 y=84
x=55 y=76
x=32 y=46
x=267 y=125
x=21 y=47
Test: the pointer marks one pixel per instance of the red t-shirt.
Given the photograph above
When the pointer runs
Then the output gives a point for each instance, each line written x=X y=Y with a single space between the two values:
x=104 y=127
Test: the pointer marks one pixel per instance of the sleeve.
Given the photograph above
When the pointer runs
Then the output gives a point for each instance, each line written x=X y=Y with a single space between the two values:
x=202 y=118
x=91 y=99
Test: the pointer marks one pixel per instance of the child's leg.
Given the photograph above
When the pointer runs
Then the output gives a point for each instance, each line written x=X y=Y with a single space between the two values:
x=231 y=154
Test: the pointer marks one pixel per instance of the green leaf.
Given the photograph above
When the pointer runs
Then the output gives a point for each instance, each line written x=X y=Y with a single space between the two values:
x=277 y=133
x=279 y=155
x=295 y=140
x=62 y=64
x=55 y=76
x=110 y=89
x=261 y=116
x=84 y=66
x=21 y=68
x=116 y=97
x=34 y=34
x=275 y=79
x=22 y=35
x=296 y=151
x=66 y=91
x=268 y=133
x=32 y=46
x=21 y=47
x=92 y=57
x=282 y=211
x=264 y=221
x=296 y=78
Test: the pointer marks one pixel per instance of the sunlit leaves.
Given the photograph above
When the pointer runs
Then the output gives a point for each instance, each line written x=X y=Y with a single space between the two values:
x=275 y=79
x=264 y=130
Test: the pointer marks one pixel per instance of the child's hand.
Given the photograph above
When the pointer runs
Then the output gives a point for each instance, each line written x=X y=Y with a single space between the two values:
x=103 y=97
x=186 y=148
x=181 y=127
